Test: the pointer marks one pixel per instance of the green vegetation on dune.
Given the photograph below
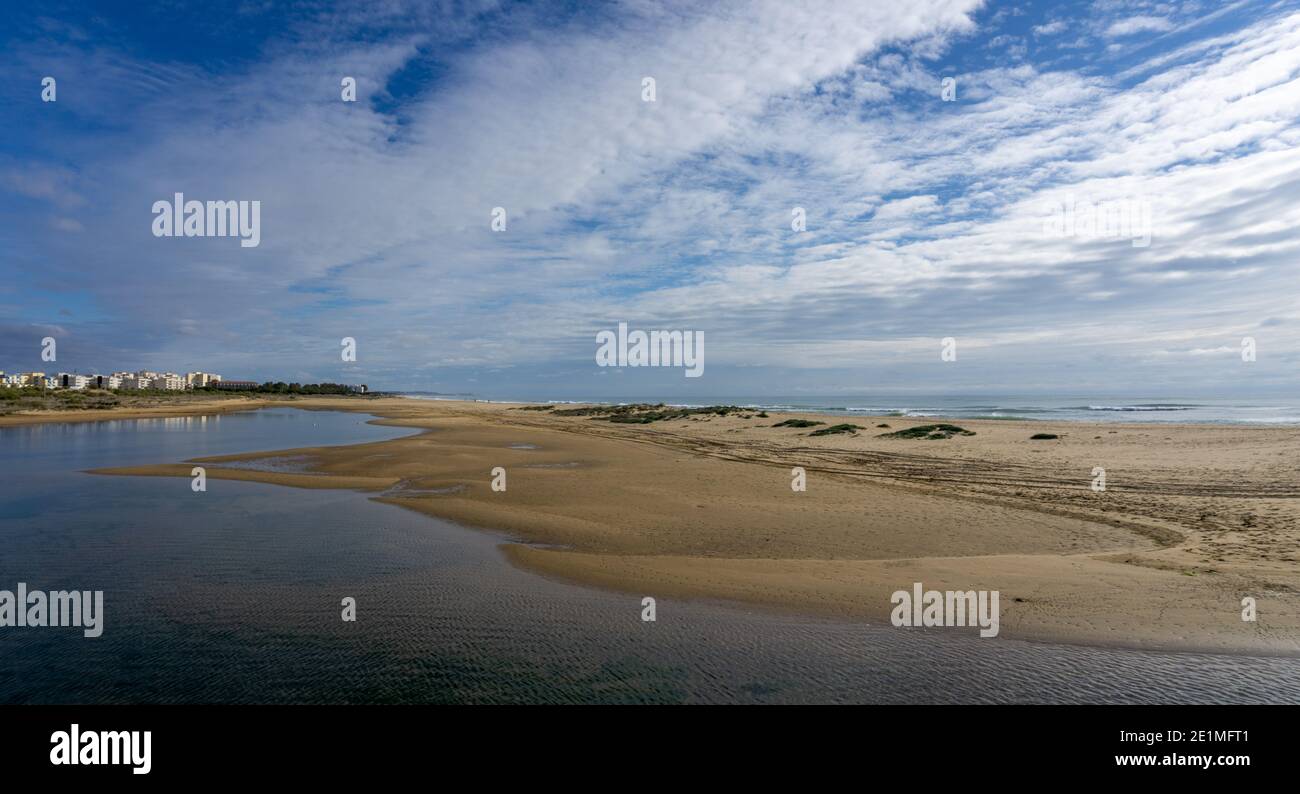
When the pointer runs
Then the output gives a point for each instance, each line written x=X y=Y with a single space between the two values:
x=836 y=429
x=280 y=387
x=930 y=432
x=645 y=413
x=798 y=423
x=13 y=400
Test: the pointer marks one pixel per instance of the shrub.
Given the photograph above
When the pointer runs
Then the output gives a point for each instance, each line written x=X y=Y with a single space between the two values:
x=930 y=432
x=834 y=429
x=798 y=423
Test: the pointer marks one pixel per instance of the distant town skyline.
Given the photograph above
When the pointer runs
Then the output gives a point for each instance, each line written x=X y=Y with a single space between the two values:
x=1080 y=194
x=121 y=379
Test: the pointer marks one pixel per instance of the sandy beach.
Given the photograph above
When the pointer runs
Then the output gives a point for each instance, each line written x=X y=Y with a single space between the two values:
x=1192 y=520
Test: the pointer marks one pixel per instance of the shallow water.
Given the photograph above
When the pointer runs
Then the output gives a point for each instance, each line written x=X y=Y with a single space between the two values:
x=233 y=595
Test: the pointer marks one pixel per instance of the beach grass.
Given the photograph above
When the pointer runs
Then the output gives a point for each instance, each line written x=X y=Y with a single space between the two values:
x=837 y=429
x=798 y=423
x=930 y=432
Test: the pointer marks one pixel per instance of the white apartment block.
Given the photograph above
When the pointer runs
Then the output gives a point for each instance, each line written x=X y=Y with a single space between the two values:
x=105 y=381
x=21 y=379
x=199 y=380
x=168 y=382
x=67 y=380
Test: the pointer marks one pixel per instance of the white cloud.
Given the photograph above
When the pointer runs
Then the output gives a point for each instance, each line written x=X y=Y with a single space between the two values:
x=1140 y=24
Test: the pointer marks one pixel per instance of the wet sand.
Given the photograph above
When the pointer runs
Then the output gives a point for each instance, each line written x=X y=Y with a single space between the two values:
x=1193 y=518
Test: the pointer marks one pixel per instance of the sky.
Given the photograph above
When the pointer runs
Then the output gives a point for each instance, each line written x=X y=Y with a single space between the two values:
x=933 y=148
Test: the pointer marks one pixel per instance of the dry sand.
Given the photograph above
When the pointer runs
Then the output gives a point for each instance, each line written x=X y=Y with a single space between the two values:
x=1193 y=518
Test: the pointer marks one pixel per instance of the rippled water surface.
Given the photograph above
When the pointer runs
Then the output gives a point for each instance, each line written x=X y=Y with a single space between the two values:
x=233 y=595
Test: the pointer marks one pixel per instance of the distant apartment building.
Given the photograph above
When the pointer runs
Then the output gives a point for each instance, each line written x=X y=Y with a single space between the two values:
x=23 y=379
x=67 y=380
x=201 y=380
x=168 y=381
x=162 y=381
x=234 y=385
x=106 y=381
x=133 y=382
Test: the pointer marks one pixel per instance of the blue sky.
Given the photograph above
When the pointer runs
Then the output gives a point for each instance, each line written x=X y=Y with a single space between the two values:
x=926 y=218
